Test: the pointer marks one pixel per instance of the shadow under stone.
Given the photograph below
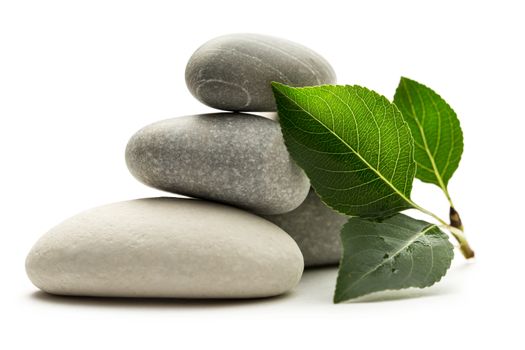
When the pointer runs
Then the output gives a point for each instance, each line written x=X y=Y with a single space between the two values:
x=118 y=302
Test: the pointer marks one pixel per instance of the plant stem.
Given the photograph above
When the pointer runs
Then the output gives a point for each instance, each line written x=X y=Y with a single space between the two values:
x=456 y=228
x=455 y=219
x=458 y=234
x=468 y=253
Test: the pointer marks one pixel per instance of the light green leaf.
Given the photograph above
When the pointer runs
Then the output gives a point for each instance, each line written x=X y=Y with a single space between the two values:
x=352 y=143
x=435 y=127
x=399 y=252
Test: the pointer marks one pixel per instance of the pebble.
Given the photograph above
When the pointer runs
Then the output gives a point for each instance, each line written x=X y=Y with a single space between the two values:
x=315 y=228
x=234 y=72
x=165 y=247
x=238 y=159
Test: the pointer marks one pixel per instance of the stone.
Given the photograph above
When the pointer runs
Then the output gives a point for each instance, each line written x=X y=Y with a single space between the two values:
x=315 y=228
x=166 y=248
x=234 y=72
x=237 y=159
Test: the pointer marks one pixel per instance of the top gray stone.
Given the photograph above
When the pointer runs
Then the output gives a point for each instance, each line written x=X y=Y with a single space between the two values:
x=234 y=72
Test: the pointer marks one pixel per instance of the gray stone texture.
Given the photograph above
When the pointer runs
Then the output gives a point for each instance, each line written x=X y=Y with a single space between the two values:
x=316 y=228
x=165 y=247
x=234 y=72
x=238 y=159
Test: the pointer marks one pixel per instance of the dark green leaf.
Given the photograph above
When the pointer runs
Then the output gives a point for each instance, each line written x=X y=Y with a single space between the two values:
x=352 y=143
x=399 y=252
x=435 y=127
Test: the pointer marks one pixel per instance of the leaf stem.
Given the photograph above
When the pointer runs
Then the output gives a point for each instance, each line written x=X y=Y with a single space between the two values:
x=429 y=213
x=445 y=191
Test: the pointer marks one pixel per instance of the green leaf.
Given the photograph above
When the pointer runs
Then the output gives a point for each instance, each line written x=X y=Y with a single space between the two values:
x=435 y=127
x=399 y=252
x=352 y=143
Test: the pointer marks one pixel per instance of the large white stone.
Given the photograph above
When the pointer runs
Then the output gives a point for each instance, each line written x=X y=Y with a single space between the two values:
x=166 y=247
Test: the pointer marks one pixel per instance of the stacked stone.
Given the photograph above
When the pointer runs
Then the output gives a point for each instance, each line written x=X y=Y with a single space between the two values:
x=252 y=216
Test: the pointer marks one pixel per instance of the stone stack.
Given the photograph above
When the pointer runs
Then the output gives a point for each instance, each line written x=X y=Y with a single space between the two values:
x=242 y=232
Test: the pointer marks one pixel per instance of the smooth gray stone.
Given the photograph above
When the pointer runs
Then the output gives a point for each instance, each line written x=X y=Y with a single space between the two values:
x=238 y=159
x=316 y=228
x=165 y=248
x=234 y=72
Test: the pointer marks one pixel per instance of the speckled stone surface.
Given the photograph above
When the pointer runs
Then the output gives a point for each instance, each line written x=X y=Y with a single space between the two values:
x=166 y=247
x=238 y=159
x=315 y=227
x=234 y=72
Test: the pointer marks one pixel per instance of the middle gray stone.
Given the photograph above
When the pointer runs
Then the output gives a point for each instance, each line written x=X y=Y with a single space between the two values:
x=238 y=159
x=315 y=228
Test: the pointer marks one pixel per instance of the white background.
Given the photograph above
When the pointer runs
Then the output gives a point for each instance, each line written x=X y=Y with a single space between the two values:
x=77 y=79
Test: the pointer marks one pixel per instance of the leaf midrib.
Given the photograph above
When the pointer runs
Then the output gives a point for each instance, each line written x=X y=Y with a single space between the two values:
x=396 y=253
x=408 y=200
x=425 y=143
